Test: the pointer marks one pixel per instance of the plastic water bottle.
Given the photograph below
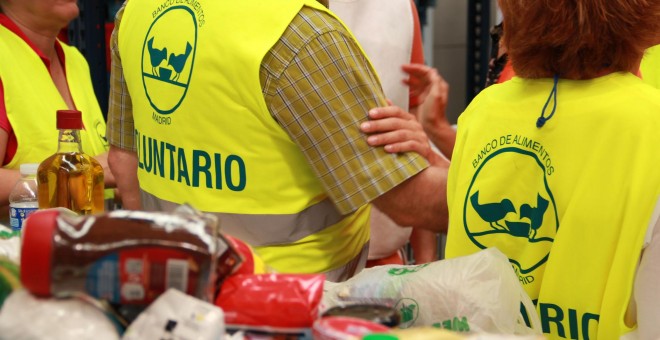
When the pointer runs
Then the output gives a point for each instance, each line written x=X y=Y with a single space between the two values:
x=23 y=198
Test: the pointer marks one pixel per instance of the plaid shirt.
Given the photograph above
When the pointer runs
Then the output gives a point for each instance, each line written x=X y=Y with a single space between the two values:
x=319 y=86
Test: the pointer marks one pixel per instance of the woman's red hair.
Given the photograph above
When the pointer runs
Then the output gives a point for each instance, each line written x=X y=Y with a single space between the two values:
x=578 y=39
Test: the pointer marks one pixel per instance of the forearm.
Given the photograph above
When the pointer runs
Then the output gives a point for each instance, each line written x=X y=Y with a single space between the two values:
x=123 y=164
x=420 y=201
x=424 y=244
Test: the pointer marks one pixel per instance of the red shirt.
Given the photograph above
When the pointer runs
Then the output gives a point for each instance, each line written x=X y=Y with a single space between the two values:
x=12 y=143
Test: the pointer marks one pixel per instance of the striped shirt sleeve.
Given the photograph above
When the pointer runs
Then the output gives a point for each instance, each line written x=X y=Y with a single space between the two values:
x=120 y=127
x=319 y=86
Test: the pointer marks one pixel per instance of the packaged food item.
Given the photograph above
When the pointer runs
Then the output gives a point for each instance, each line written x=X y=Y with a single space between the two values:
x=175 y=315
x=124 y=257
x=252 y=263
x=286 y=303
x=381 y=314
x=344 y=328
x=23 y=197
x=70 y=178
x=475 y=293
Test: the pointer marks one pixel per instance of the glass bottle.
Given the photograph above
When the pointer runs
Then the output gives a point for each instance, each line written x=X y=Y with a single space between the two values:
x=23 y=197
x=71 y=178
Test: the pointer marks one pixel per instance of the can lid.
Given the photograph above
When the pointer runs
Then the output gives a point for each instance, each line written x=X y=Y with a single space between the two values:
x=69 y=120
x=36 y=251
x=384 y=315
x=344 y=327
x=29 y=168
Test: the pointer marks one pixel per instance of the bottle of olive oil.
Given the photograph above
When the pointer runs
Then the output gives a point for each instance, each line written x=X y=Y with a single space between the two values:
x=70 y=178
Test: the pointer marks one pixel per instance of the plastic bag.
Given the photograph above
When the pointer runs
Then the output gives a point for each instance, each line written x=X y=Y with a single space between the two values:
x=175 y=315
x=271 y=302
x=24 y=317
x=475 y=293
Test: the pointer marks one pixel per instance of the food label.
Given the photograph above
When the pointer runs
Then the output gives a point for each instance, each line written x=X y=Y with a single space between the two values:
x=18 y=215
x=139 y=276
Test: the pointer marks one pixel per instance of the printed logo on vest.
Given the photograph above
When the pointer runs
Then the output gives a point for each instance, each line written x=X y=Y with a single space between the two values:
x=100 y=131
x=516 y=213
x=168 y=56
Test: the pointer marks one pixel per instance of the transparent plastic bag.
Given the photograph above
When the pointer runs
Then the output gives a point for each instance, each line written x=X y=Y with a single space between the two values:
x=475 y=293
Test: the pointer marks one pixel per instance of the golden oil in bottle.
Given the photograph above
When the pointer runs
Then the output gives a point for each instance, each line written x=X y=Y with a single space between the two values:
x=70 y=178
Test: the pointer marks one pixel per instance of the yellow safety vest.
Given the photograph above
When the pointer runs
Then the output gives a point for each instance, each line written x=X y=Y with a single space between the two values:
x=32 y=100
x=568 y=203
x=206 y=137
x=651 y=66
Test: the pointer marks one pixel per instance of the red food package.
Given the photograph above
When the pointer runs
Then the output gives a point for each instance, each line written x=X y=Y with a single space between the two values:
x=251 y=261
x=271 y=301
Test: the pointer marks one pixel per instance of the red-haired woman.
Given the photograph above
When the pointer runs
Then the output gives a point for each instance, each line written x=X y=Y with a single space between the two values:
x=558 y=167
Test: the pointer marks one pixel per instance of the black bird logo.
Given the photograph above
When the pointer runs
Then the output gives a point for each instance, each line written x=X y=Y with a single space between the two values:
x=535 y=215
x=179 y=61
x=156 y=56
x=492 y=212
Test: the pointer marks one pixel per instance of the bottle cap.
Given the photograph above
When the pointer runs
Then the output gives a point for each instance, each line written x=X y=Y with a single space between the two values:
x=29 y=168
x=36 y=252
x=69 y=120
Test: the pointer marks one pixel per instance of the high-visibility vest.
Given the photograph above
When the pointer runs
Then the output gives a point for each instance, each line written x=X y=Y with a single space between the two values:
x=32 y=100
x=650 y=67
x=568 y=203
x=205 y=135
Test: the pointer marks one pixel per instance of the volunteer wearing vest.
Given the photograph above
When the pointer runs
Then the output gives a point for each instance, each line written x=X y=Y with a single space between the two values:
x=251 y=110
x=38 y=76
x=558 y=167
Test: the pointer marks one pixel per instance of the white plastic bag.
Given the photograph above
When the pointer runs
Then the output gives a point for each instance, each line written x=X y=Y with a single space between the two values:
x=25 y=317
x=475 y=293
x=175 y=315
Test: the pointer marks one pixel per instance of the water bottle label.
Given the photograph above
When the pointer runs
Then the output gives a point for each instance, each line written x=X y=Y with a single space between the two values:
x=18 y=215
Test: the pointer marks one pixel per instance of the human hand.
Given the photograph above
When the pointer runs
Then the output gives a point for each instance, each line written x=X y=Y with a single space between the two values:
x=432 y=90
x=397 y=131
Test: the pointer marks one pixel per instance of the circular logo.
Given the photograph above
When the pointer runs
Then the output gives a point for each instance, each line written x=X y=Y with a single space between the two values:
x=168 y=56
x=99 y=126
x=409 y=310
x=515 y=213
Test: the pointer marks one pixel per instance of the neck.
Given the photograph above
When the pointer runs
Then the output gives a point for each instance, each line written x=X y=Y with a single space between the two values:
x=42 y=36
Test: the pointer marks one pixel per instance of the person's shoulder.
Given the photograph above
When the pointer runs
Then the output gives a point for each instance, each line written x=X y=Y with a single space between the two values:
x=636 y=90
x=311 y=23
